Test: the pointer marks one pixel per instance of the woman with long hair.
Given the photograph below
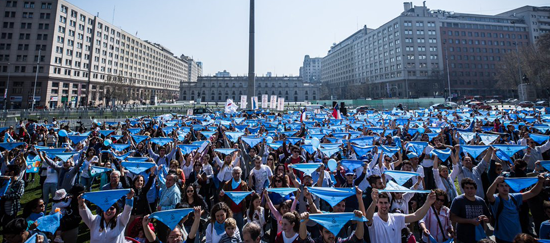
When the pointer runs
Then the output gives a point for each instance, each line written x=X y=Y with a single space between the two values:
x=111 y=224
x=256 y=213
x=216 y=228
x=89 y=160
x=190 y=198
x=291 y=226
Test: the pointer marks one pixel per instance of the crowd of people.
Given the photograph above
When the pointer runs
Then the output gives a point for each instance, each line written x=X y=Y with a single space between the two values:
x=378 y=176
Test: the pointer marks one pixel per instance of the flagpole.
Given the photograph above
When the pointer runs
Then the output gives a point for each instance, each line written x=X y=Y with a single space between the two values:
x=7 y=87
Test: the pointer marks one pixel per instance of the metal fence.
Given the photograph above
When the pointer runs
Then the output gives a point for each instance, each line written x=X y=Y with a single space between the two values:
x=86 y=116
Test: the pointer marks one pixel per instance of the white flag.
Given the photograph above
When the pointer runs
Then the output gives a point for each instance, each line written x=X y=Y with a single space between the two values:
x=243 y=101
x=230 y=106
x=281 y=106
x=265 y=101
x=273 y=104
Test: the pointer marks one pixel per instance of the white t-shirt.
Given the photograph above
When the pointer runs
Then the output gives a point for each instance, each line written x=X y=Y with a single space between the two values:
x=381 y=231
x=51 y=175
x=428 y=162
x=260 y=177
x=291 y=239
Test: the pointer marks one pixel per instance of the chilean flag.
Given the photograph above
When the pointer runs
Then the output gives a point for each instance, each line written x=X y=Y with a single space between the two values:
x=303 y=115
x=336 y=112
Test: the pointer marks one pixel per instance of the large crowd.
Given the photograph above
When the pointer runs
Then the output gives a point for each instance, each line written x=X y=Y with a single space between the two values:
x=377 y=176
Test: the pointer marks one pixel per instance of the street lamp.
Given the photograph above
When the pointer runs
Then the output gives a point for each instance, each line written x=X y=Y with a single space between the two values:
x=36 y=78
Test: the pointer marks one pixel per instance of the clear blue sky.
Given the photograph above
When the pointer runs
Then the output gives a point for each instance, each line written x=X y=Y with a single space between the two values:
x=216 y=31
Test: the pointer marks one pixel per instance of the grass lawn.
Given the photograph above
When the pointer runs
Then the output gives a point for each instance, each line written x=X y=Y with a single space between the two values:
x=34 y=190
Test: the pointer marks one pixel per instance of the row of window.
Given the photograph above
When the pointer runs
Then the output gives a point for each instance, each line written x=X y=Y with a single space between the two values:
x=483 y=34
x=21 y=47
x=26 y=15
x=13 y=4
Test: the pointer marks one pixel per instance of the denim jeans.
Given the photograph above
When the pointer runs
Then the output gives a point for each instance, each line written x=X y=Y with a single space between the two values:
x=48 y=189
x=239 y=218
x=87 y=183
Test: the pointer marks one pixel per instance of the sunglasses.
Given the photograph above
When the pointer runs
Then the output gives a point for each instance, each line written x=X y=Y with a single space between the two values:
x=190 y=191
x=440 y=199
x=278 y=181
x=111 y=208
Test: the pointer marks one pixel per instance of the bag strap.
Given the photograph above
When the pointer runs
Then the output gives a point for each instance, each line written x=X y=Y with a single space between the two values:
x=500 y=207
x=439 y=223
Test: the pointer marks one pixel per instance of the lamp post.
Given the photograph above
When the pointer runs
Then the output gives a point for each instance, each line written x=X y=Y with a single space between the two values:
x=7 y=87
x=36 y=78
x=448 y=71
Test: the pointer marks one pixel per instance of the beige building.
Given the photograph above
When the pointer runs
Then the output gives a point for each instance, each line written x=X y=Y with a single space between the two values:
x=81 y=58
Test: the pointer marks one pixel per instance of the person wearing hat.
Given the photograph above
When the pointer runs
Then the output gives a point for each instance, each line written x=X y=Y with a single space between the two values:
x=414 y=159
x=60 y=201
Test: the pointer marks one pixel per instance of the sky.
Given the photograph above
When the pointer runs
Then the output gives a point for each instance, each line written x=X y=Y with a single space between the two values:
x=215 y=32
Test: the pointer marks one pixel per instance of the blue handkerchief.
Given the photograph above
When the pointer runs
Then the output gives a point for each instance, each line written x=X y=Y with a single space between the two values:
x=519 y=183
x=77 y=139
x=333 y=222
x=138 y=138
x=545 y=164
x=332 y=195
x=309 y=148
x=106 y=132
x=96 y=170
x=171 y=218
x=390 y=151
x=4 y=185
x=234 y=136
x=417 y=147
x=362 y=151
x=400 y=176
x=11 y=146
x=119 y=147
x=188 y=148
x=442 y=154
x=509 y=150
x=294 y=140
x=487 y=139
x=237 y=196
x=351 y=165
x=161 y=141
x=474 y=150
x=49 y=223
x=32 y=239
x=252 y=141
x=283 y=191
x=134 y=130
x=307 y=168
x=329 y=151
x=226 y=151
x=136 y=159
x=105 y=199
x=137 y=167
x=468 y=136
x=540 y=139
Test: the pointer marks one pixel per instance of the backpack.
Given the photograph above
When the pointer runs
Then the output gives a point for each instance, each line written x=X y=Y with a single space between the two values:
x=500 y=207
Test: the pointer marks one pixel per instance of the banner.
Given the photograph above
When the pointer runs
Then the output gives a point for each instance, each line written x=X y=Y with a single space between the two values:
x=243 y=101
x=273 y=103
x=281 y=105
x=265 y=101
